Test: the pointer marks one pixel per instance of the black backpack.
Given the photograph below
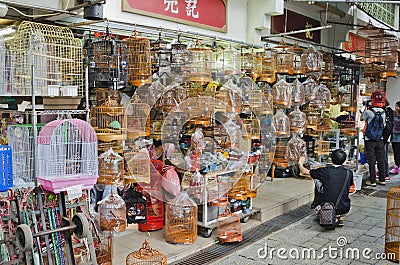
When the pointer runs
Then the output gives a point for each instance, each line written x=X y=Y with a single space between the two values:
x=375 y=126
x=387 y=131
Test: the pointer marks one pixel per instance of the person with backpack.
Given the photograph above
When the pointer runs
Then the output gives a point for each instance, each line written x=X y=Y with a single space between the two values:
x=396 y=139
x=387 y=133
x=332 y=185
x=373 y=139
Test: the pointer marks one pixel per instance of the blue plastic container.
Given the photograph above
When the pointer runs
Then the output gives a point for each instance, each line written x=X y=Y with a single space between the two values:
x=6 y=174
x=362 y=158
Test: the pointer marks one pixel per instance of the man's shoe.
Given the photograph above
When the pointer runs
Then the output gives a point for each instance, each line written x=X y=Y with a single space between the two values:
x=340 y=222
x=395 y=170
x=386 y=178
x=380 y=182
x=369 y=183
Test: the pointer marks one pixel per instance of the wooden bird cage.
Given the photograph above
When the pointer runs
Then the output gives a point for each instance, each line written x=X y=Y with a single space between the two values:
x=109 y=62
x=228 y=95
x=310 y=144
x=217 y=191
x=249 y=63
x=284 y=59
x=372 y=71
x=179 y=61
x=239 y=187
x=322 y=147
x=104 y=249
x=255 y=97
x=155 y=212
x=392 y=229
x=297 y=148
x=348 y=127
x=138 y=164
x=67 y=155
x=313 y=120
x=298 y=120
x=229 y=227
x=282 y=124
x=111 y=168
x=281 y=158
x=266 y=65
x=138 y=118
x=139 y=59
x=199 y=66
x=181 y=220
x=54 y=54
x=282 y=94
x=161 y=54
x=231 y=61
x=323 y=125
x=109 y=121
x=299 y=60
x=105 y=95
x=251 y=128
x=268 y=101
x=298 y=92
x=112 y=212
x=146 y=255
x=327 y=67
x=314 y=60
x=366 y=87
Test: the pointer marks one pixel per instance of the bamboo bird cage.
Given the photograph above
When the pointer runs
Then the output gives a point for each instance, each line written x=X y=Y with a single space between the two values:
x=199 y=66
x=322 y=147
x=314 y=61
x=111 y=168
x=51 y=51
x=138 y=164
x=327 y=67
x=229 y=227
x=266 y=65
x=281 y=158
x=282 y=93
x=284 y=58
x=138 y=118
x=298 y=120
x=139 y=59
x=392 y=231
x=298 y=92
x=112 y=211
x=109 y=62
x=146 y=255
x=299 y=60
x=179 y=61
x=104 y=249
x=282 y=124
x=249 y=63
x=161 y=55
x=217 y=191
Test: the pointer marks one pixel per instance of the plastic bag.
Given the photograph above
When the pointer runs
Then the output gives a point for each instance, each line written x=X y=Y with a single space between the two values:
x=282 y=124
x=297 y=92
x=196 y=187
x=282 y=93
x=297 y=148
x=309 y=86
x=170 y=182
x=197 y=139
x=298 y=121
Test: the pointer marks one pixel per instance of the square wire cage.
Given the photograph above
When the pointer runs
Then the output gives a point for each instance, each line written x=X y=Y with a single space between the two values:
x=51 y=51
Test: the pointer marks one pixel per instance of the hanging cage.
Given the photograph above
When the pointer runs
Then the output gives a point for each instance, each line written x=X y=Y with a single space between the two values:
x=109 y=62
x=266 y=65
x=282 y=124
x=231 y=61
x=111 y=168
x=179 y=61
x=284 y=58
x=67 y=155
x=281 y=158
x=112 y=212
x=314 y=61
x=52 y=52
x=282 y=94
x=249 y=62
x=298 y=92
x=327 y=67
x=161 y=55
x=299 y=60
x=298 y=120
x=196 y=187
x=139 y=59
x=138 y=164
x=146 y=255
x=138 y=118
x=199 y=66
x=297 y=148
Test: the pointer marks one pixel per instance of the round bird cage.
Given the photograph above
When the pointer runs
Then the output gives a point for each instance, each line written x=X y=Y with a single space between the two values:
x=392 y=231
x=282 y=94
x=284 y=58
x=181 y=220
x=309 y=86
x=139 y=59
x=282 y=124
x=229 y=227
x=104 y=249
x=327 y=67
x=281 y=158
x=266 y=65
x=146 y=255
x=298 y=92
x=297 y=148
x=111 y=168
x=112 y=211
x=231 y=61
x=53 y=51
x=138 y=118
x=161 y=55
x=199 y=66
x=109 y=62
x=298 y=120
x=314 y=61
x=299 y=60
x=179 y=61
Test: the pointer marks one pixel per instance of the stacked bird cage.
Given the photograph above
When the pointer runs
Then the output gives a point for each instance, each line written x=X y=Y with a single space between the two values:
x=138 y=118
x=266 y=65
x=199 y=66
x=111 y=168
x=284 y=58
x=161 y=54
x=146 y=255
x=181 y=220
x=109 y=62
x=323 y=125
x=299 y=60
x=281 y=158
x=67 y=155
x=217 y=191
x=139 y=59
x=348 y=127
x=53 y=53
x=239 y=187
x=229 y=227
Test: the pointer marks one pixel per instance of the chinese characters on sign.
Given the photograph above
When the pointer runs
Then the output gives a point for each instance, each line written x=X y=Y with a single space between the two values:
x=209 y=14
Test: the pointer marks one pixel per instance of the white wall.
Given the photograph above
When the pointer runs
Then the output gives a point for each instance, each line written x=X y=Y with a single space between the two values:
x=393 y=90
x=237 y=20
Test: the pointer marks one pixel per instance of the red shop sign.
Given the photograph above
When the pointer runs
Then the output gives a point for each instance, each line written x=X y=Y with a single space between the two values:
x=355 y=44
x=208 y=14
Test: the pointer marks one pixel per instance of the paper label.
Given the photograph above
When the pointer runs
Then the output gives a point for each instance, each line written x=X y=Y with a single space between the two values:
x=74 y=192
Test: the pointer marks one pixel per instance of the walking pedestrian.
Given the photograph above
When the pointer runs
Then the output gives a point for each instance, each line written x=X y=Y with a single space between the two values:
x=396 y=139
x=387 y=134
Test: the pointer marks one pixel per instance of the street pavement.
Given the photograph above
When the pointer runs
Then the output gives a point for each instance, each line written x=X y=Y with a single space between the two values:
x=360 y=241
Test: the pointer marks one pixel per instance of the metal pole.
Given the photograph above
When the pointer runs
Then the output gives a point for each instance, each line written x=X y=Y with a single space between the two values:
x=34 y=128
x=87 y=107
